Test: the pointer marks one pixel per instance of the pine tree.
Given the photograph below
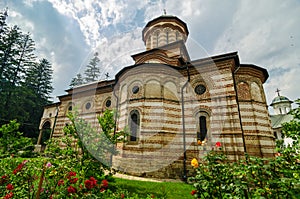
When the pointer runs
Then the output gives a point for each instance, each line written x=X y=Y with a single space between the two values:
x=37 y=89
x=39 y=79
x=76 y=81
x=92 y=72
x=3 y=25
x=15 y=62
x=25 y=85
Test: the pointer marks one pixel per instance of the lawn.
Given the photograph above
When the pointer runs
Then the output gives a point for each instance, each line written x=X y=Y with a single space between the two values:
x=143 y=189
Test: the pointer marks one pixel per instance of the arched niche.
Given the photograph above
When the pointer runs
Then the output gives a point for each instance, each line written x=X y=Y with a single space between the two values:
x=153 y=89
x=243 y=91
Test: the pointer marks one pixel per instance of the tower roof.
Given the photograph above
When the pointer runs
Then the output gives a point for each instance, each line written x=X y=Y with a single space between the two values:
x=280 y=99
x=165 y=19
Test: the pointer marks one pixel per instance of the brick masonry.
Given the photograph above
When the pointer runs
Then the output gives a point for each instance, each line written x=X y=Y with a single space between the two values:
x=167 y=104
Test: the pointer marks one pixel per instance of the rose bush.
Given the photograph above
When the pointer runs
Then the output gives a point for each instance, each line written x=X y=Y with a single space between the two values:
x=253 y=177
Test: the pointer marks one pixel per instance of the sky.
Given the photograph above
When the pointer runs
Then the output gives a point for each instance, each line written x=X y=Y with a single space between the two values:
x=68 y=32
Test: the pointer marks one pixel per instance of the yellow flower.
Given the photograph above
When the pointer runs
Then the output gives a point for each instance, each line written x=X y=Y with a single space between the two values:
x=194 y=163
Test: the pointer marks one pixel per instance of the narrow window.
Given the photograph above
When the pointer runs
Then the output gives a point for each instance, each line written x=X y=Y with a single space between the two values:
x=157 y=34
x=203 y=128
x=275 y=135
x=167 y=37
x=134 y=126
x=177 y=36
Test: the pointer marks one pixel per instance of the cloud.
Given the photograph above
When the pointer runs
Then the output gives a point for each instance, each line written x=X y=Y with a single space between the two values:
x=115 y=52
x=265 y=33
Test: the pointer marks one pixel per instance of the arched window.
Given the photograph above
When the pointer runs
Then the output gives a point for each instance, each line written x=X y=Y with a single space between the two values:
x=45 y=135
x=201 y=135
x=134 y=125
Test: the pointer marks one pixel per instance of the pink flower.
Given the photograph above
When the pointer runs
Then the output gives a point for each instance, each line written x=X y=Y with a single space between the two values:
x=218 y=144
x=48 y=164
x=9 y=187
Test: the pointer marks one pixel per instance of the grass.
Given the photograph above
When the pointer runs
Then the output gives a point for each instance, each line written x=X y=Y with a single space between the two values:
x=168 y=190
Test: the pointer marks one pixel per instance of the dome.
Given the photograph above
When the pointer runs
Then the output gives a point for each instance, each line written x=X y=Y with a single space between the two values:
x=164 y=30
x=280 y=99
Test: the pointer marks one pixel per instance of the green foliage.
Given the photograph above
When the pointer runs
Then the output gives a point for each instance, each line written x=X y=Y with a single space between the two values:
x=48 y=177
x=254 y=177
x=144 y=189
x=68 y=169
x=92 y=71
x=76 y=81
x=39 y=78
x=25 y=84
x=12 y=141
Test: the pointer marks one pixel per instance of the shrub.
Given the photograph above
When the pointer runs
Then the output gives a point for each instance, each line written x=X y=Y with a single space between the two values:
x=12 y=142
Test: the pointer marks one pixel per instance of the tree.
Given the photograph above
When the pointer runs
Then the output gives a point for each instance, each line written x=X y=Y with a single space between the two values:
x=39 y=79
x=9 y=51
x=12 y=141
x=3 y=25
x=92 y=72
x=25 y=83
x=76 y=81
x=37 y=88
x=292 y=130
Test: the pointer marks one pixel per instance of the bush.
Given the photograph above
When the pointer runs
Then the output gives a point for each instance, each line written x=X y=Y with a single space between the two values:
x=12 y=142
x=254 y=177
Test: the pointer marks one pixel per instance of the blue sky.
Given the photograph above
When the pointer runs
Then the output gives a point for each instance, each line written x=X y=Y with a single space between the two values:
x=67 y=32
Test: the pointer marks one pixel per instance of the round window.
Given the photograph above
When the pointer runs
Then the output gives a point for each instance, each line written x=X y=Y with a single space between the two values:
x=88 y=106
x=108 y=103
x=200 y=89
x=135 y=89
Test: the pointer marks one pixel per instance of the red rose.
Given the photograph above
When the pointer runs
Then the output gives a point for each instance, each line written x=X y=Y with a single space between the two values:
x=102 y=189
x=60 y=182
x=71 y=173
x=73 y=180
x=122 y=195
x=9 y=187
x=218 y=144
x=4 y=177
x=88 y=184
x=72 y=189
x=193 y=192
x=94 y=181
x=9 y=195
x=104 y=183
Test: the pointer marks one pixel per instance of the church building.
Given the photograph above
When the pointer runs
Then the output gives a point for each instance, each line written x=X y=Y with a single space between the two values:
x=175 y=108
x=281 y=107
